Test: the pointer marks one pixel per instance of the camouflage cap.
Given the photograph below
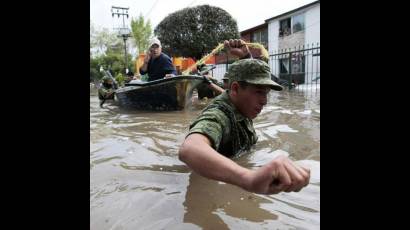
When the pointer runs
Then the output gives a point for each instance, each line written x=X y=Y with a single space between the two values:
x=253 y=71
x=106 y=78
x=225 y=76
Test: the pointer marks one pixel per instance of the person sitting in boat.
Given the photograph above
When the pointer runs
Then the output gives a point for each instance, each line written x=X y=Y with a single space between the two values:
x=106 y=91
x=157 y=64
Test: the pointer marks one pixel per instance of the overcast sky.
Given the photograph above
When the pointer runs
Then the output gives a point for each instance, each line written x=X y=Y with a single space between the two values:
x=248 y=14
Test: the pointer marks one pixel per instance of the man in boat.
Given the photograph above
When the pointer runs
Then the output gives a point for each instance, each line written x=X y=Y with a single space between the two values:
x=157 y=64
x=224 y=130
x=106 y=91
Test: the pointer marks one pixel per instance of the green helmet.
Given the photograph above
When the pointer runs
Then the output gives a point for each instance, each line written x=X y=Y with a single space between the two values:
x=225 y=76
x=106 y=79
x=253 y=71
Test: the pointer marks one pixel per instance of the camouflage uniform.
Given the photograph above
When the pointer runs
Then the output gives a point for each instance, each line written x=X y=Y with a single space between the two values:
x=220 y=84
x=228 y=130
x=103 y=92
x=225 y=76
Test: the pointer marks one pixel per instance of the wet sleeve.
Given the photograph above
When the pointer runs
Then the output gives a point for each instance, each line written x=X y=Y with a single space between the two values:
x=210 y=127
x=102 y=92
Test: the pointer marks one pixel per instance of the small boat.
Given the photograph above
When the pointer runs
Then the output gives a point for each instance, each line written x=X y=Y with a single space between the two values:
x=172 y=93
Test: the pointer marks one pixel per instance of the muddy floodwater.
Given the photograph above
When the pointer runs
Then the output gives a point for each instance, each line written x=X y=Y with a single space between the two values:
x=138 y=182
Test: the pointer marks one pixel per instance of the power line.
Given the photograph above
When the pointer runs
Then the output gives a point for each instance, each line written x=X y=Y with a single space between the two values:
x=149 y=12
x=123 y=31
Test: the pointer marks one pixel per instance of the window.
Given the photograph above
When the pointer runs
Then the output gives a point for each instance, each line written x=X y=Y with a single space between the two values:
x=264 y=38
x=256 y=37
x=297 y=65
x=284 y=27
x=291 y=25
x=284 y=66
x=260 y=36
x=298 y=23
x=293 y=69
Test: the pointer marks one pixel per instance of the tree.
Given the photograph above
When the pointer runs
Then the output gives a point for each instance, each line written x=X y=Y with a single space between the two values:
x=115 y=63
x=141 y=32
x=196 y=31
x=94 y=70
x=107 y=51
x=112 y=60
x=120 y=79
x=92 y=34
x=101 y=40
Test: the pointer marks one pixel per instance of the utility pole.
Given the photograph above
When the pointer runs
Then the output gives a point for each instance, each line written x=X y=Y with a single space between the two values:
x=123 y=31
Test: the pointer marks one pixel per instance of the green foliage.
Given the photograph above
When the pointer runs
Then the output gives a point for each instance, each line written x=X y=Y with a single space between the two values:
x=196 y=31
x=141 y=32
x=120 y=79
x=94 y=70
x=94 y=74
x=114 y=62
x=107 y=51
x=101 y=40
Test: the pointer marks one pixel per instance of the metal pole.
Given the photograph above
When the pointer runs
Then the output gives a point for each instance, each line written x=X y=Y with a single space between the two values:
x=317 y=64
x=290 y=70
x=122 y=30
x=125 y=54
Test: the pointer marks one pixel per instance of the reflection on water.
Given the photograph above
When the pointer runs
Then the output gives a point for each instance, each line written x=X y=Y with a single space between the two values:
x=208 y=202
x=137 y=181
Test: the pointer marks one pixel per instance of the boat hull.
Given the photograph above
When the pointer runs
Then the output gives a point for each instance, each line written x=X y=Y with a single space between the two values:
x=163 y=95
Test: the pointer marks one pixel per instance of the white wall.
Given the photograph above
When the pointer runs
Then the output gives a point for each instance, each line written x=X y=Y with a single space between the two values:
x=311 y=35
x=312 y=25
x=293 y=40
x=273 y=36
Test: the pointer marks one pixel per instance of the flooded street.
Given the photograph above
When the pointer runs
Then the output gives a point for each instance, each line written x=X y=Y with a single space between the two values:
x=138 y=182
